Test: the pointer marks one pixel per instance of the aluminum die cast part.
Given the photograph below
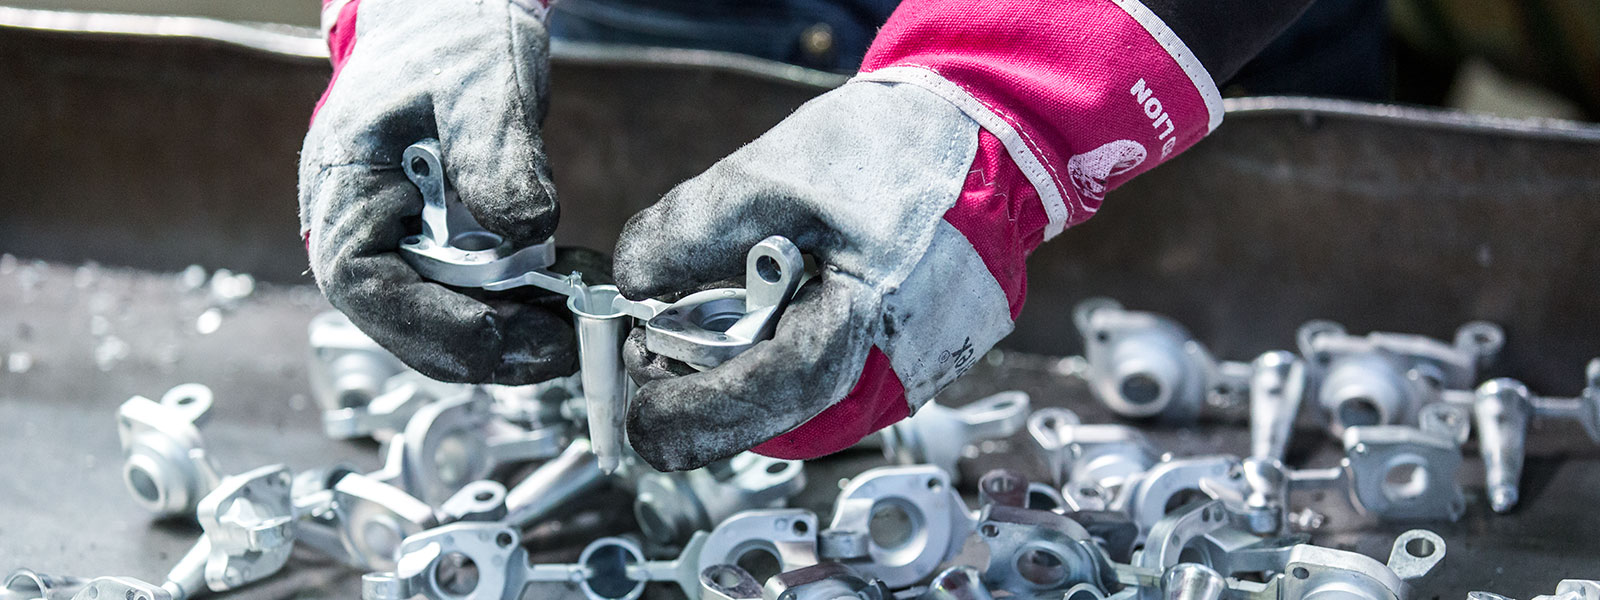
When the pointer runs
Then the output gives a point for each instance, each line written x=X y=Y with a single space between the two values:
x=553 y=485
x=607 y=388
x=785 y=537
x=348 y=372
x=706 y=328
x=728 y=582
x=165 y=466
x=436 y=563
x=826 y=581
x=1034 y=553
x=374 y=518
x=913 y=518
x=1501 y=413
x=1400 y=473
x=1202 y=534
x=1385 y=378
x=453 y=248
x=1567 y=589
x=1172 y=484
x=937 y=435
x=1091 y=462
x=120 y=588
x=452 y=442
x=671 y=506
x=1144 y=365
x=959 y=583
x=1277 y=386
x=249 y=521
x=26 y=584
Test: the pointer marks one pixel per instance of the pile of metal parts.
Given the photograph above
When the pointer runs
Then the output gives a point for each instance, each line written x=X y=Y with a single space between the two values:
x=1403 y=405
x=470 y=473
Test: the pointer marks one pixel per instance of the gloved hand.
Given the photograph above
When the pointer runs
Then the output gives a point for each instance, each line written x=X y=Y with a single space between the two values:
x=472 y=73
x=976 y=130
x=862 y=178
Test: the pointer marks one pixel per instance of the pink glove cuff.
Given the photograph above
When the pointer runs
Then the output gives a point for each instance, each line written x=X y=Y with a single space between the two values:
x=1083 y=94
x=339 y=28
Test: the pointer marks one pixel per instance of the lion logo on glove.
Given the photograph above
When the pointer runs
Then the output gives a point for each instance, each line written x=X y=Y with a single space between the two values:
x=1091 y=169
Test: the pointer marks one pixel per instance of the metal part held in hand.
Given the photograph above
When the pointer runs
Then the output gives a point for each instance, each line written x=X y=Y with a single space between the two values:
x=166 y=466
x=706 y=328
x=607 y=388
x=453 y=248
x=1145 y=365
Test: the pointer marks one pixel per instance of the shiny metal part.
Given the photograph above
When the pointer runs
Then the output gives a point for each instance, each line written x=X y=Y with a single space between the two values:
x=1502 y=412
x=607 y=388
x=25 y=584
x=450 y=443
x=187 y=579
x=482 y=500
x=1191 y=581
x=1144 y=365
x=728 y=582
x=785 y=539
x=165 y=466
x=669 y=507
x=957 y=583
x=936 y=435
x=453 y=248
x=1091 y=462
x=1034 y=553
x=249 y=521
x=375 y=517
x=913 y=517
x=1277 y=385
x=467 y=561
x=826 y=581
x=349 y=373
x=706 y=328
x=553 y=486
x=1386 y=378
x=1401 y=473
x=120 y=588
x=1568 y=589
x=1173 y=484
x=1503 y=409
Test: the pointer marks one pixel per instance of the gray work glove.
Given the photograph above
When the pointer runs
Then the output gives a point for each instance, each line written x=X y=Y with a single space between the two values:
x=860 y=178
x=474 y=74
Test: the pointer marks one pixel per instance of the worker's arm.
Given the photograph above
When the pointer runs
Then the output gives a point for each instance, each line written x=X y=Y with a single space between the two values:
x=472 y=73
x=976 y=130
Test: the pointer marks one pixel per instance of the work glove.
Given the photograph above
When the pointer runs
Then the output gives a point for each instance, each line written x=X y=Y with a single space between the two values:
x=861 y=178
x=474 y=74
x=976 y=130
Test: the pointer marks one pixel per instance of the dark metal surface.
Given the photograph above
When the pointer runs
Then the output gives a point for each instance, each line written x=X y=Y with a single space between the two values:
x=63 y=508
